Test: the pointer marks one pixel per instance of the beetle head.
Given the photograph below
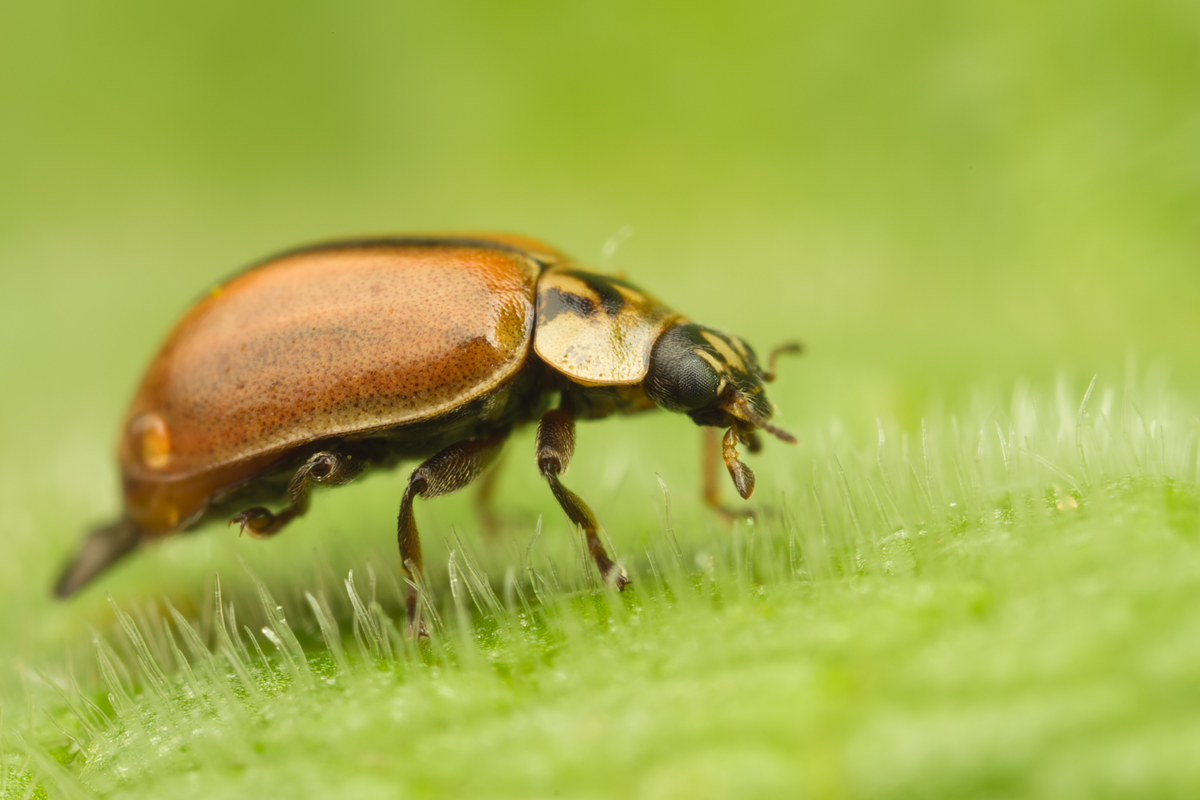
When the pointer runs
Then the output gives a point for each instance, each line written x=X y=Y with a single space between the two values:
x=714 y=378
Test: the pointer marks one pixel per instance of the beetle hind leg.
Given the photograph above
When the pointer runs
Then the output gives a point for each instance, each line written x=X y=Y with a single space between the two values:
x=324 y=468
x=260 y=523
x=555 y=446
x=451 y=469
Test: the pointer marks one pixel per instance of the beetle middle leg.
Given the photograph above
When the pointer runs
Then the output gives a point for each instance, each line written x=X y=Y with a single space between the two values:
x=485 y=509
x=324 y=468
x=555 y=446
x=451 y=469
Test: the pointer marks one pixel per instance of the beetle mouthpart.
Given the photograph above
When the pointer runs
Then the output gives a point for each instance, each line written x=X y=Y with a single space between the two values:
x=744 y=411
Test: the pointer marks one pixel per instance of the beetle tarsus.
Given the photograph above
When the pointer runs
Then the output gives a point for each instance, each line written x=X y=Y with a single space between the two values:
x=617 y=577
x=260 y=523
x=415 y=624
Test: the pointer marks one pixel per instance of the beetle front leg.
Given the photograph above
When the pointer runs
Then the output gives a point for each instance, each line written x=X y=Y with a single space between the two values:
x=743 y=478
x=451 y=469
x=713 y=453
x=324 y=468
x=555 y=446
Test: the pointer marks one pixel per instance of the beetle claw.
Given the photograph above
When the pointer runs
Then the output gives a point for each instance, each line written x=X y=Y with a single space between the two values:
x=418 y=631
x=255 y=522
x=617 y=577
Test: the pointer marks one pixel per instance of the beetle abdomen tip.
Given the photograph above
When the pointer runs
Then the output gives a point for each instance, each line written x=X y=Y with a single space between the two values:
x=101 y=549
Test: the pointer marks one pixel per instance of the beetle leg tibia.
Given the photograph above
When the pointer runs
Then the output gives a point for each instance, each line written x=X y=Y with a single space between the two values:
x=555 y=446
x=712 y=487
x=324 y=468
x=451 y=469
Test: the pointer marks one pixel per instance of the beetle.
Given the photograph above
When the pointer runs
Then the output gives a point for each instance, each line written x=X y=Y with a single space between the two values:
x=314 y=366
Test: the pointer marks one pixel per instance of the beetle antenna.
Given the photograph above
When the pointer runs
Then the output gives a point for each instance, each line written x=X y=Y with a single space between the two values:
x=747 y=413
x=778 y=433
x=786 y=347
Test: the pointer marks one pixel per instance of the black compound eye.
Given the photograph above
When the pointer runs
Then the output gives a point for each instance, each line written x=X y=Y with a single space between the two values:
x=680 y=379
x=696 y=382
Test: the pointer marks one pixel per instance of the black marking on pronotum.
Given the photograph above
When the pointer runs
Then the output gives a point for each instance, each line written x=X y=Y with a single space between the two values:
x=611 y=300
x=554 y=302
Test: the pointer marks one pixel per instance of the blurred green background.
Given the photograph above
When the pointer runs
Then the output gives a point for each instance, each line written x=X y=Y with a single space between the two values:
x=925 y=192
x=933 y=196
